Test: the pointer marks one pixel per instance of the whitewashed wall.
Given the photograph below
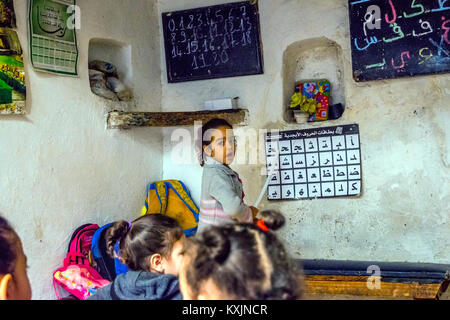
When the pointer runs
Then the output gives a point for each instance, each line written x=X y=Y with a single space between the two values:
x=60 y=167
x=403 y=214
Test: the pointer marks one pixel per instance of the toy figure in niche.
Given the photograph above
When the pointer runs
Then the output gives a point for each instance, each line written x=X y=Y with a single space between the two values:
x=313 y=97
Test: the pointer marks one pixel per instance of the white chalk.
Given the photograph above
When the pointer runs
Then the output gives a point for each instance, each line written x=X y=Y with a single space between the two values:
x=221 y=104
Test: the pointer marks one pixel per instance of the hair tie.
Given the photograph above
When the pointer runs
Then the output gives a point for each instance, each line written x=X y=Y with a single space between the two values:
x=129 y=225
x=262 y=225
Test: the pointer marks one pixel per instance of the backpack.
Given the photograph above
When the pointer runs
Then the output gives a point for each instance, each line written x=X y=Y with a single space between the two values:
x=77 y=277
x=103 y=262
x=109 y=268
x=172 y=198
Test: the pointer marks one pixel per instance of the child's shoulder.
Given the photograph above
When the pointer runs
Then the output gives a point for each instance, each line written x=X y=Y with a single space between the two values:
x=218 y=169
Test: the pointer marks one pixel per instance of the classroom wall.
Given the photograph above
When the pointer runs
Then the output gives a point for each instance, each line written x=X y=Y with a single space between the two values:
x=403 y=212
x=60 y=166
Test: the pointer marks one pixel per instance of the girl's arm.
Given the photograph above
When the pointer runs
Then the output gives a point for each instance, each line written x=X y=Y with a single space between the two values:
x=221 y=189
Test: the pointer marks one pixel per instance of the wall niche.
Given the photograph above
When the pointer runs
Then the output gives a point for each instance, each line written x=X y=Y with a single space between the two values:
x=312 y=59
x=117 y=55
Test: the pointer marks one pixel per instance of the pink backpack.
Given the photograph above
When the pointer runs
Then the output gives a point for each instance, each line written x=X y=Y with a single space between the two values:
x=77 y=277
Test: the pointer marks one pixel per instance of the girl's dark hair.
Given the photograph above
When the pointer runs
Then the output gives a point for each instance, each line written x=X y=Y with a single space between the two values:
x=204 y=141
x=8 y=254
x=244 y=261
x=147 y=235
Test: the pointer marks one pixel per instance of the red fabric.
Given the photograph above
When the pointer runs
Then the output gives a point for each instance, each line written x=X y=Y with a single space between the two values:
x=262 y=225
x=243 y=194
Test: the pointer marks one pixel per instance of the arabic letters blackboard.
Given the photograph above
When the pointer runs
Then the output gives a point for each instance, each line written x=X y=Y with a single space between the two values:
x=314 y=163
x=399 y=38
x=212 y=42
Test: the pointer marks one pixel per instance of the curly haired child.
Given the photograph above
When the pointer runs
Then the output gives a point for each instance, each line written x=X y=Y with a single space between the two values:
x=240 y=261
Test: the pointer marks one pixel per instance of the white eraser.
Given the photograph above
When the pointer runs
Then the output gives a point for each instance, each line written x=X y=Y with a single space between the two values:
x=222 y=104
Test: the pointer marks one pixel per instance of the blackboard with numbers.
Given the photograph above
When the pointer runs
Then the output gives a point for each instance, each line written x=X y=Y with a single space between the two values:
x=399 y=38
x=212 y=42
x=314 y=163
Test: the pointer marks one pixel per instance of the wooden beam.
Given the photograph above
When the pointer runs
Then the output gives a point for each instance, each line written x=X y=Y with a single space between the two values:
x=357 y=286
x=126 y=120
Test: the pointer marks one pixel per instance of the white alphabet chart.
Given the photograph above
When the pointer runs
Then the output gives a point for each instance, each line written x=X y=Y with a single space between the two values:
x=314 y=163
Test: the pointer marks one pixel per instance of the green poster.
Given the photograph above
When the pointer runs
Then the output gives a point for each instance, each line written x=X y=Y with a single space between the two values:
x=53 y=41
x=7 y=15
x=12 y=73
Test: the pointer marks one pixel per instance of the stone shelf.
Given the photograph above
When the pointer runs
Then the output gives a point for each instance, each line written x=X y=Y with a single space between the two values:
x=127 y=120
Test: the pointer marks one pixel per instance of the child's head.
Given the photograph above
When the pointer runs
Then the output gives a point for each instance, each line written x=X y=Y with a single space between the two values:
x=218 y=141
x=239 y=261
x=151 y=243
x=14 y=283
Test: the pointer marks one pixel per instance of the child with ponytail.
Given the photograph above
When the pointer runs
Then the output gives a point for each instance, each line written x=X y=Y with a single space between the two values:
x=240 y=261
x=222 y=196
x=150 y=247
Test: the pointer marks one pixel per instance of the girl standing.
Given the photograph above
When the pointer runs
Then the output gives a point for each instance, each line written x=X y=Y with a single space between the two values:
x=222 y=196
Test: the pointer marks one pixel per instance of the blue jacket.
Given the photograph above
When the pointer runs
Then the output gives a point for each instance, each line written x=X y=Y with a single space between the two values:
x=140 y=285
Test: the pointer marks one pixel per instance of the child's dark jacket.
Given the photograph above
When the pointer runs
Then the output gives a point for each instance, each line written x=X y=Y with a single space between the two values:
x=140 y=285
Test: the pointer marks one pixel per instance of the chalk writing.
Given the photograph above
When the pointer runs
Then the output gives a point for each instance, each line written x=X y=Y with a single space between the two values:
x=440 y=47
x=425 y=25
x=359 y=1
x=417 y=13
x=212 y=42
x=413 y=38
x=373 y=40
x=377 y=65
x=394 y=14
x=443 y=6
x=402 y=57
x=398 y=31
x=446 y=27
x=425 y=56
